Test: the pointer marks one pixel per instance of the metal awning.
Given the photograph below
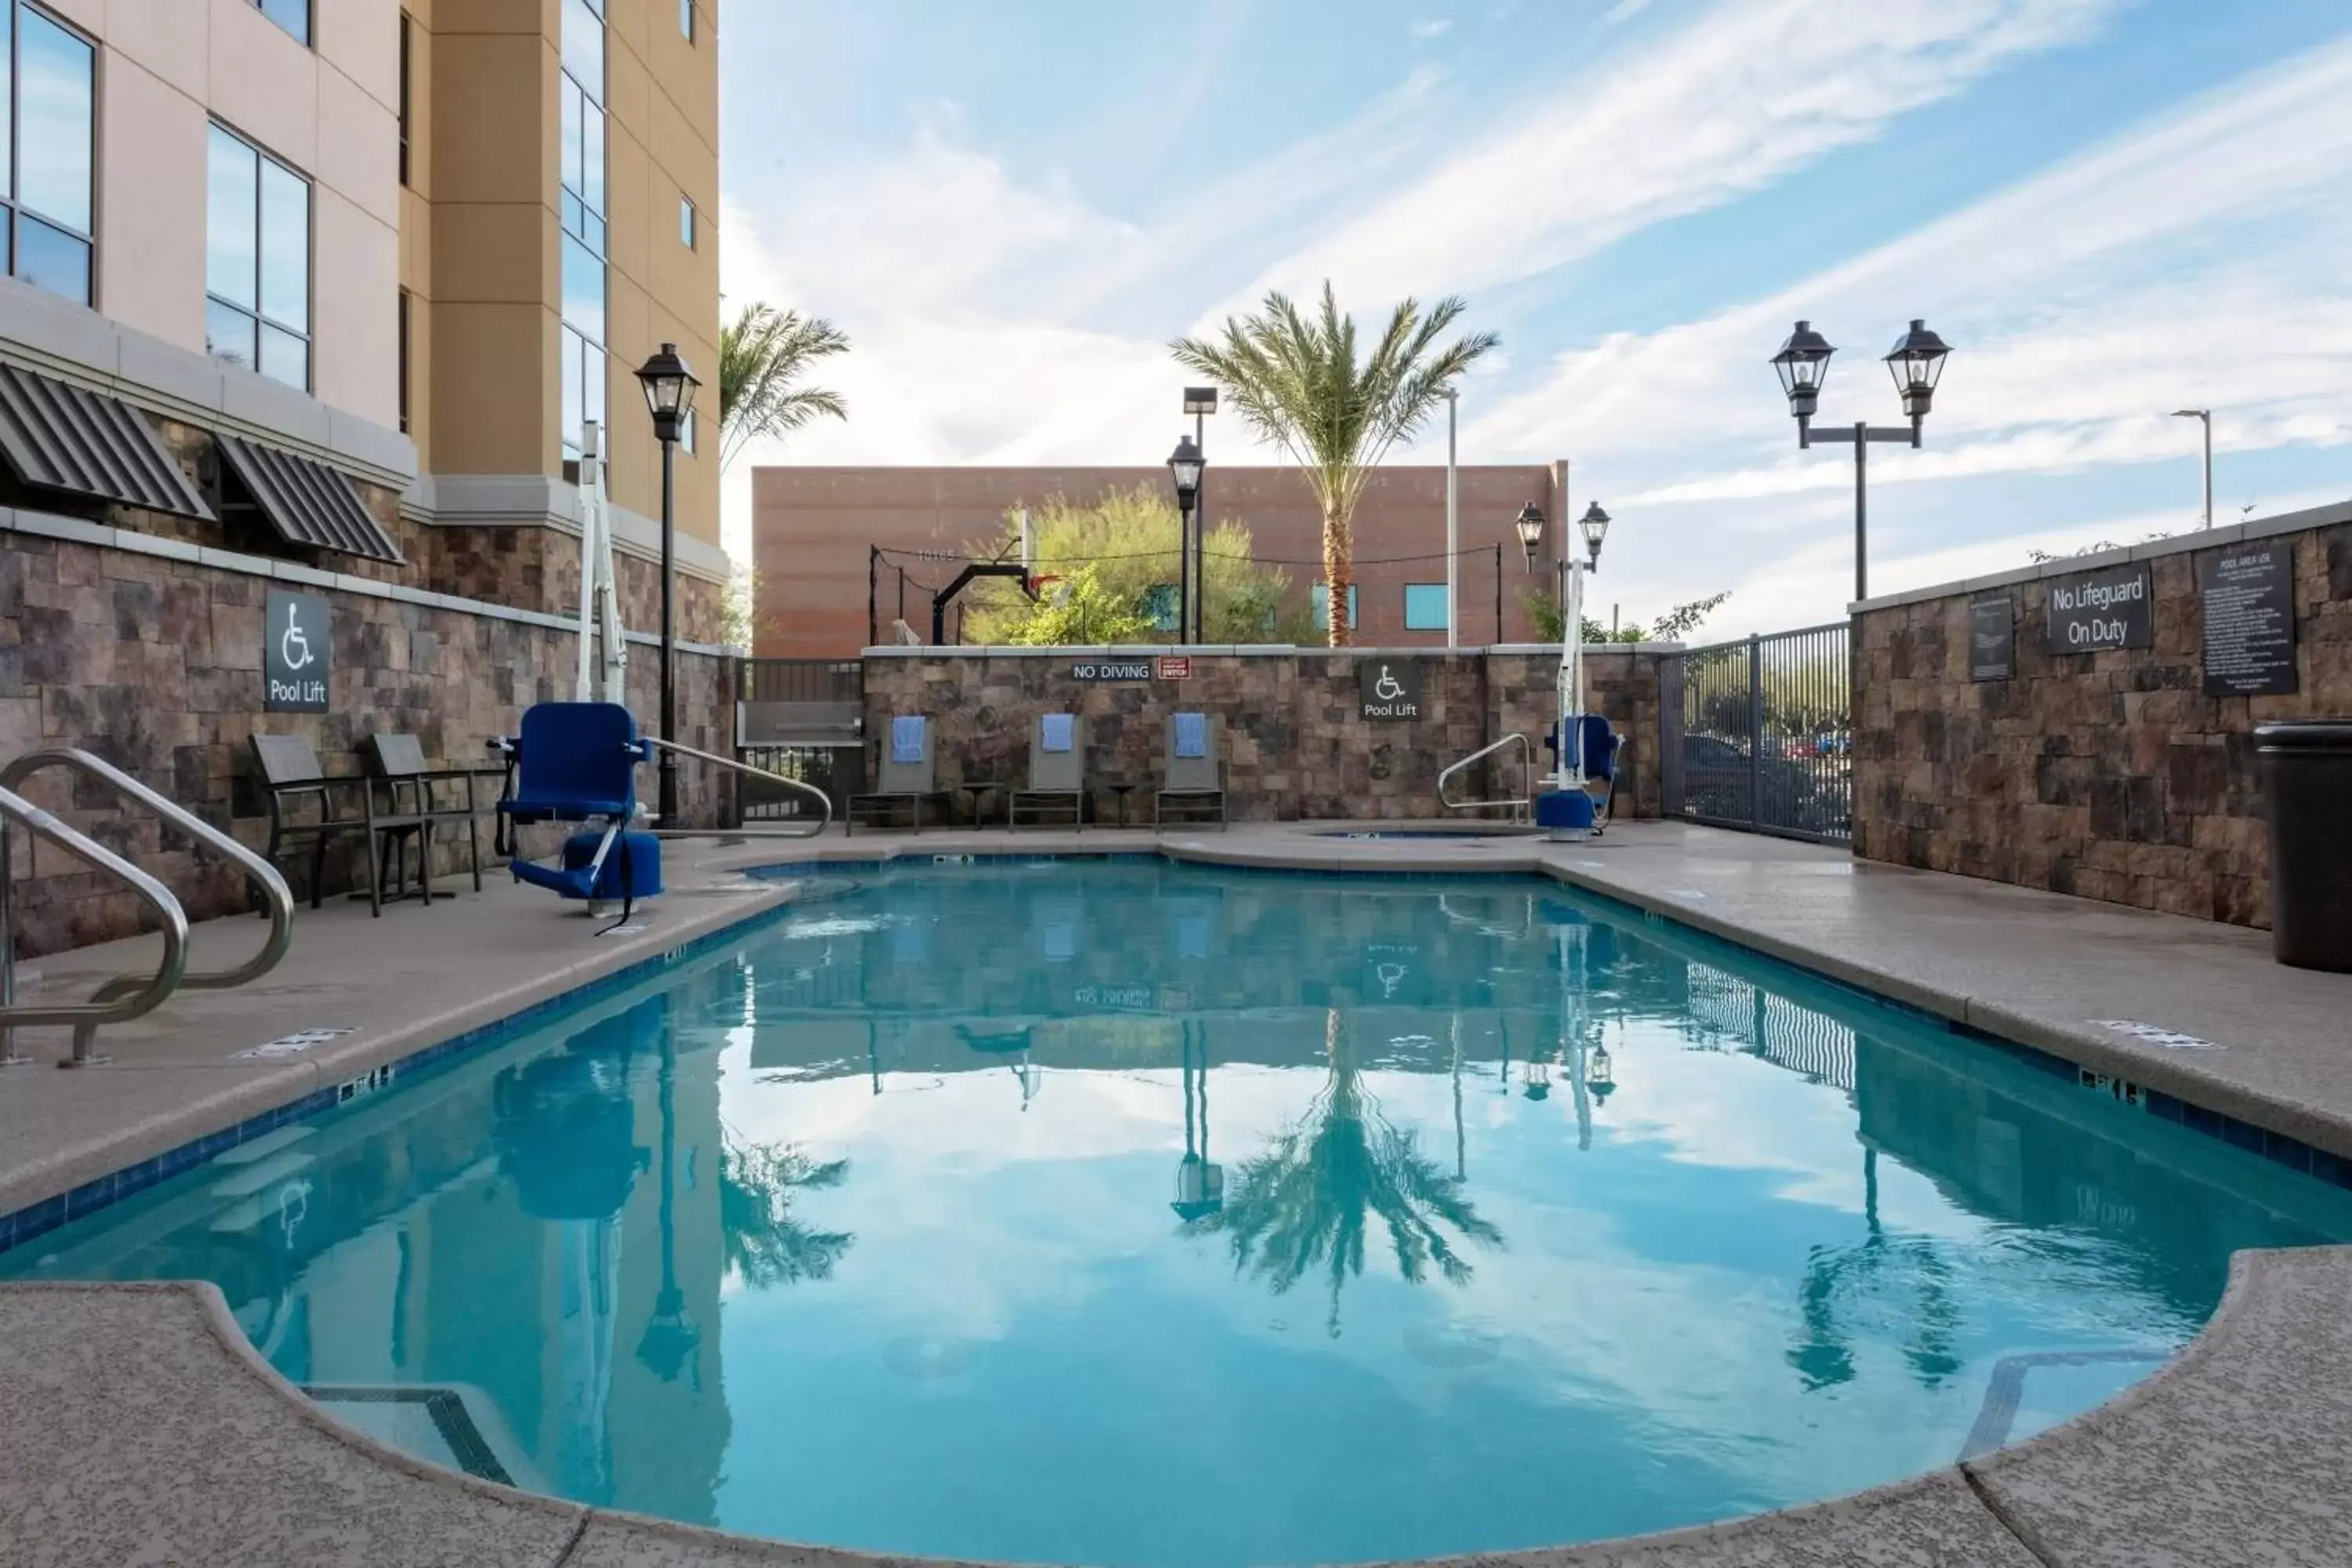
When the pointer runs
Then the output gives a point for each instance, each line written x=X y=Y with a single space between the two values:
x=308 y=503
x=61 y=438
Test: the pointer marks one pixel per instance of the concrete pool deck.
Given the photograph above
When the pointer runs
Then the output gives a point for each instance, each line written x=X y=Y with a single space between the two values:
x=135 y=1425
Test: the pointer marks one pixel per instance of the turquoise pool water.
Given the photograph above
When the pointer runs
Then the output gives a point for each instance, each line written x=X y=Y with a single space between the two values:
x=1133 y=1213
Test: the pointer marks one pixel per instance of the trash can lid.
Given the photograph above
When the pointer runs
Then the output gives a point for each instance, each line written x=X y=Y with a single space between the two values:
x=2326 y=736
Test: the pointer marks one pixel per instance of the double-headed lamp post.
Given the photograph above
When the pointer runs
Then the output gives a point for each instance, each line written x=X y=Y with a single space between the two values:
x=669 y=397
x=1916 y=362
x=1568 y=782
x=1184 y=467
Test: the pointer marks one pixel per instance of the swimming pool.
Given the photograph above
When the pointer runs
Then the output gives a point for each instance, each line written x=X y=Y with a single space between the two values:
x=1137 y=1213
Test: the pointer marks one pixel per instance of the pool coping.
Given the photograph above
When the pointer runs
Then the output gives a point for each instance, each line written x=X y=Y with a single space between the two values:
x=1908 y=1522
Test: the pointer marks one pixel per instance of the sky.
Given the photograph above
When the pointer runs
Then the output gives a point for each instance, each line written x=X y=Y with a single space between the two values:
x=2111 y=208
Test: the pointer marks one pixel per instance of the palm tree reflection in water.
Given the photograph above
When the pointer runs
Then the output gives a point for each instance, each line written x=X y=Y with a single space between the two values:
x=1306 y=1204
x=766 y=1244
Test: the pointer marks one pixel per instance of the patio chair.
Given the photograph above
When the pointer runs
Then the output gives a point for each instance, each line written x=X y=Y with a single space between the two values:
x=1602 y=752
x=1193 y=781
x=1057 y=774
x=433 y=793
x=290 y=775
x=907 y=775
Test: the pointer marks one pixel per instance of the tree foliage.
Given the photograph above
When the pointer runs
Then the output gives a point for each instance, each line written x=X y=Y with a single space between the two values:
x=1676 y=625
x=763 y=354
x=1114 y=571
x=1306 y=384
x=766 y=1244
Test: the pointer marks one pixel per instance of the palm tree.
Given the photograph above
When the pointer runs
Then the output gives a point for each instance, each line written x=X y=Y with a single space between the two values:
x=762 y=354
x=765 y=1245
x=1306 y=1203
x=1298 y=384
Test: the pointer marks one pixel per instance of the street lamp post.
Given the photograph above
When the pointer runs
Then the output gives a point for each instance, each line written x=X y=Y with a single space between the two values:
x=1199 y=402
x=1184 y=467
x=1916 y=362
x=669 y=397
x=1453 y=522
x=2205 y=417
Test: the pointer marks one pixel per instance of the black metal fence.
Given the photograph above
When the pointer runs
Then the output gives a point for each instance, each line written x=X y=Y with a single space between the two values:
x=801 y=718
x=1760 y=734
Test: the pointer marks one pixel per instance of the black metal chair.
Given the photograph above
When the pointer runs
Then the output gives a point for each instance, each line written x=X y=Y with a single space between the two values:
x=289 y=775
x=398 y=763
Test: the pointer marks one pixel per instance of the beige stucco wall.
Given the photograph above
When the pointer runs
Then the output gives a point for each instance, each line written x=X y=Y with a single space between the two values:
x=663 y=142
x=169 y=66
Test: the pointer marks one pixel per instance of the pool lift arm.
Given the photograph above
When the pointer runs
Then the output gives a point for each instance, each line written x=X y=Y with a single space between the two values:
x=604 y=646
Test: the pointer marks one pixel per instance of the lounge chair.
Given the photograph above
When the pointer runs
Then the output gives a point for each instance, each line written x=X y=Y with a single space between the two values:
x=290 y=772
x=437 y=794
x=1193 y=781
x=905 y=777
x=1602 y=751
x=1058 y=774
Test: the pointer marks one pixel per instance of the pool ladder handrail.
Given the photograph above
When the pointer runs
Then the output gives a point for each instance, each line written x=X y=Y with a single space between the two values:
x=1521 y=809
x=126 y=997
x=822 y=799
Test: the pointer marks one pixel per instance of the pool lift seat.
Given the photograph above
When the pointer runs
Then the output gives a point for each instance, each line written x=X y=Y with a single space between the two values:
x=576 y=762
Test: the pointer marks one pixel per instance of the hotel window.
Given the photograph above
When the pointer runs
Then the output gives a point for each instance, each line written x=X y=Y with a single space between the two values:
x=582 y=98
x=1320 y=596
x=404 y=341
x=294 y=15
x=686 y=222
x=257 y=261
x=1425 y=607
x=48 y=221
x=407 y=89
x=686 y=19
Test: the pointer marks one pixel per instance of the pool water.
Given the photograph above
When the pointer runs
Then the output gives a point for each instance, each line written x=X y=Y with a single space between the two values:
x=1125 y=1213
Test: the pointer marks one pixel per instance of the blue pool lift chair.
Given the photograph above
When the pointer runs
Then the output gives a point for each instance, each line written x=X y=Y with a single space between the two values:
x=577 y=761
x=1602 y=752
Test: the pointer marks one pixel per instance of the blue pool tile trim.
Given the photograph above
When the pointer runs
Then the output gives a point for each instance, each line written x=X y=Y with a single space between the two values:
x=30 y=1224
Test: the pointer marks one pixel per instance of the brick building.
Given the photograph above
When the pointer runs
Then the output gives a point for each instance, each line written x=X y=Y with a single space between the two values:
x=813 y=531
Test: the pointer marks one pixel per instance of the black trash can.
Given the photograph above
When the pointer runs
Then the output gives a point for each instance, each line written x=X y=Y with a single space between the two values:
x=2307 y=775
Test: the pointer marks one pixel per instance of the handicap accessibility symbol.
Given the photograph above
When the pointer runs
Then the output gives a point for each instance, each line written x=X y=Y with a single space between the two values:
x=294 y=647
x=1388 y=690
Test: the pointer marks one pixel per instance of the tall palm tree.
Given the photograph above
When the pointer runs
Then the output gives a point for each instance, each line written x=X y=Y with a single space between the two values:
x=1308 y=1202
x=765 y=1244
x=762 y=354
x=1296 y=382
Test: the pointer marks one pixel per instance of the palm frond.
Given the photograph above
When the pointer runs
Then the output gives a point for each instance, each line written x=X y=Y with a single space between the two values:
x=763 y=355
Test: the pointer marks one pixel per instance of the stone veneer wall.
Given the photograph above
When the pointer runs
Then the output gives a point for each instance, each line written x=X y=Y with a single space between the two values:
x=1295 y=745
x=154 y=663
x=2110 y=776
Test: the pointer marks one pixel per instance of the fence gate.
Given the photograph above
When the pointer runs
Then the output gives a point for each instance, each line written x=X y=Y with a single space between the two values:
x=1760 y=734
x=804 y=718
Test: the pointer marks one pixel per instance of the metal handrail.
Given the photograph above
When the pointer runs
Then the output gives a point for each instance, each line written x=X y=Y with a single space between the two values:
x=822 y=799
x=1519 y=808
x=276 y=895
x=85 y=1015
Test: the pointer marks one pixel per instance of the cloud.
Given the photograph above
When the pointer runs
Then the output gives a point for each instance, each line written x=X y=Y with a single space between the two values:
x=1624 y=11
x=1730 y=104
x=1432 y=27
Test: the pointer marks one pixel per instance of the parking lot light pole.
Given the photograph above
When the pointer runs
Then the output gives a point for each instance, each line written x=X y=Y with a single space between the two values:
x=1917 y=362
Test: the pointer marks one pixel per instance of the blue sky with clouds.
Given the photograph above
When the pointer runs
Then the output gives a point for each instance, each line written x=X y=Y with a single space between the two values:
x=2112 y=208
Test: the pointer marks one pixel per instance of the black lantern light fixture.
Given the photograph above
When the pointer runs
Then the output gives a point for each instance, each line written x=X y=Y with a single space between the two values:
x=1184 y=467
x=1594 y=525
x=1916 y=364
x=669 y=385
x=1530 y=526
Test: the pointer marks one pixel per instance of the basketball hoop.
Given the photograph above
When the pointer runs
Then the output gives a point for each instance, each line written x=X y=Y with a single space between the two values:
x=1038 y=585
